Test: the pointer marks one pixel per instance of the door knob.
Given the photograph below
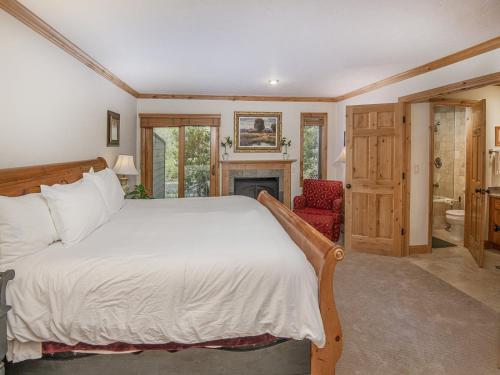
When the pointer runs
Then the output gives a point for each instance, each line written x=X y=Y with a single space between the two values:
x=348 y=186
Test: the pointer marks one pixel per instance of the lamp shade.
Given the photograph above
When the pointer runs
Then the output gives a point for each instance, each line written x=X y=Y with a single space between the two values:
x=341 y=158
x=125 y=165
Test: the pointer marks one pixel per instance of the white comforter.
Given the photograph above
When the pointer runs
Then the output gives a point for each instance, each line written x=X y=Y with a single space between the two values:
x=182 y=270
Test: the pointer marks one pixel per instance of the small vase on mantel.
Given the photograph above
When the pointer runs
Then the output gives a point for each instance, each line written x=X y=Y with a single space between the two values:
x=285 y=153
x=226 y=142
x=285 y=143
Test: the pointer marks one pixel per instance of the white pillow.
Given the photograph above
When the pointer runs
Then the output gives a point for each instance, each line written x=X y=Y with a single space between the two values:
x=25 y=227
x=110 y=188
x=77 y=210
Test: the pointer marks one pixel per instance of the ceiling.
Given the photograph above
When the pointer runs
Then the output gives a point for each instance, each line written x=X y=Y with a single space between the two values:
x=234 y=47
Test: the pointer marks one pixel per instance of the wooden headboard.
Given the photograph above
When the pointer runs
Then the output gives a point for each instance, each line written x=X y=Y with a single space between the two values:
x=25 y=180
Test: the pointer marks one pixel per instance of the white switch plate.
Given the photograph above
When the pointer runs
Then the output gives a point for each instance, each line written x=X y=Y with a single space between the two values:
x=416 y=169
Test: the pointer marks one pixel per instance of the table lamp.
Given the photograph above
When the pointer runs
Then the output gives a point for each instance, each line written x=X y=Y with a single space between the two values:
x=124 y=167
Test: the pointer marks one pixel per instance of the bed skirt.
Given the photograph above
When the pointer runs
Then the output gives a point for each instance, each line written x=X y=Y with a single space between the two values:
x=239 y=343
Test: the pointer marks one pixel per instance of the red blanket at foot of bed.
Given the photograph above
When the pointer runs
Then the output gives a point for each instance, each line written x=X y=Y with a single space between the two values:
x=234 y=343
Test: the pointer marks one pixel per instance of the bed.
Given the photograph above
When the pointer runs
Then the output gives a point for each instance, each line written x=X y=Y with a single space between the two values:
x=187 y=272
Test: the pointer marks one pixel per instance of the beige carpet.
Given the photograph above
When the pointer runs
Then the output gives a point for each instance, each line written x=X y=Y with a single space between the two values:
x=398 y=319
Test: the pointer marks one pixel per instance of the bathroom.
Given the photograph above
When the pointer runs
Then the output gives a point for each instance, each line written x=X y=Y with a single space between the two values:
x=448 y=185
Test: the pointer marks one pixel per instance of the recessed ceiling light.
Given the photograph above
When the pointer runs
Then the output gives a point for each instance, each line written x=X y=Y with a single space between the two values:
x=273 y=82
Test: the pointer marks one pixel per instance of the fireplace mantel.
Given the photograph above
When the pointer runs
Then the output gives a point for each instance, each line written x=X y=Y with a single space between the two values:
x=279 y=164
x=263 y=162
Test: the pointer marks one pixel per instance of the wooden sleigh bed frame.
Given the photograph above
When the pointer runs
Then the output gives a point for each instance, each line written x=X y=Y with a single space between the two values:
x=321 y=252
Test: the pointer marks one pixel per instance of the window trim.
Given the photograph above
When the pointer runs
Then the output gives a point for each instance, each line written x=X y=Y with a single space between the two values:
x=149 y=121
x=323 y=146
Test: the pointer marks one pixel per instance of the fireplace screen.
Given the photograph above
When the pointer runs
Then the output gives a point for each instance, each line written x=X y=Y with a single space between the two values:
x=252 y=186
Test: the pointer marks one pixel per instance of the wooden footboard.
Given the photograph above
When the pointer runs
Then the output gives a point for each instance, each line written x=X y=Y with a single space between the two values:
x=323 y=255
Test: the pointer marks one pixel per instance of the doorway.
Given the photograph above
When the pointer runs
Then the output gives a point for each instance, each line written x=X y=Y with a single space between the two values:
x=457 y=175
x=447 y=173
x=179 y=155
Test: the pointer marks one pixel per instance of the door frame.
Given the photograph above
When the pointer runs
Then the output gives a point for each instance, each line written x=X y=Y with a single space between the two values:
x=433 y=103
x=149 y=121
x=424 y=96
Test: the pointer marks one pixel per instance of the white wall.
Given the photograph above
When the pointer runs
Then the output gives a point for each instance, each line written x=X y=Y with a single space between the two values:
x=290 y=124
x=486 y=63
x=52 y=107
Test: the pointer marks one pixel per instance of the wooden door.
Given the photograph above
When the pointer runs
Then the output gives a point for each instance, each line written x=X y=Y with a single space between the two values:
x=475 y=208
x=374 y=173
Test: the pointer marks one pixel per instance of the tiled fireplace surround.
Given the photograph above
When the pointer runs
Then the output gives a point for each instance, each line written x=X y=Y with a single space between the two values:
x=258 y=168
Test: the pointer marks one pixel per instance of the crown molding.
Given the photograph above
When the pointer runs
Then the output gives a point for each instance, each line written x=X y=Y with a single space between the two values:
x=30 y=19
x=470 y=84
x=253 y=98
x=23 y=14
x=464 y=54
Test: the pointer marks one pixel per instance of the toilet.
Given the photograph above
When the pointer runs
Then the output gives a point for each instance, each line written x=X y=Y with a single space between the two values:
x=456 y=220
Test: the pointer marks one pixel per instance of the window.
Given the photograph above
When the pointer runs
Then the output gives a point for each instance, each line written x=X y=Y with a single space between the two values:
x=180 y=155
x=313 y=138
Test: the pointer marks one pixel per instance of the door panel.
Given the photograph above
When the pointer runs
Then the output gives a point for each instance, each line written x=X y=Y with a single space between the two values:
x=385 y=119
x=385 y=157
x=373 y=207
x=360 y=157
x=197 y=161
x=385 y=216
x=359 y=214
x=475 y=203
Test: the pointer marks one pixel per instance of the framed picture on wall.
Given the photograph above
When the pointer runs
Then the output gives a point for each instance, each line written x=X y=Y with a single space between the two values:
x=113 y=129
x=497 y=135
x=257 y=131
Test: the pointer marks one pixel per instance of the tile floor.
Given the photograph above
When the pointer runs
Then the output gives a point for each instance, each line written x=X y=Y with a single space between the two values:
x=456 y=266
x=443 y=234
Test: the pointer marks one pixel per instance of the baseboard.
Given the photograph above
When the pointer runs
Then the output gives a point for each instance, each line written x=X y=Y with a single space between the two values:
x=419 y=249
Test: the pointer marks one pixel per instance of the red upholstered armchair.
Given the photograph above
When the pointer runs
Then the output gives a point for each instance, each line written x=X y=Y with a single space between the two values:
x=321 y=206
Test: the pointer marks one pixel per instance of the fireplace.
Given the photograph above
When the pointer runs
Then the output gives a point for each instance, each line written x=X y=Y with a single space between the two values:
x=262 y=171
x=252 y=186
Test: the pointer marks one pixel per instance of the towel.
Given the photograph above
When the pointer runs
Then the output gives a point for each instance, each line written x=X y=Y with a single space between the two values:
x=496 y=157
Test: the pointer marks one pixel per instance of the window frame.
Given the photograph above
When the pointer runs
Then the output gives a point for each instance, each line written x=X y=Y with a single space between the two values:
x=149 y=121
x=323 y=147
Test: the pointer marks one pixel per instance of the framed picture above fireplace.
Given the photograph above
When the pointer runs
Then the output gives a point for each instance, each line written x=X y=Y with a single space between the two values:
x=257 y=131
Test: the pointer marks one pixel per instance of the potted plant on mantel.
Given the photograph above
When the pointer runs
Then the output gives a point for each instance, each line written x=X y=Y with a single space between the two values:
x=226 y=142
x=285 y=143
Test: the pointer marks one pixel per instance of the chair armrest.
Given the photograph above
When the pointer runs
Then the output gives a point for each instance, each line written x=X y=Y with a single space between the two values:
x=299 y=202
x=337 y=206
